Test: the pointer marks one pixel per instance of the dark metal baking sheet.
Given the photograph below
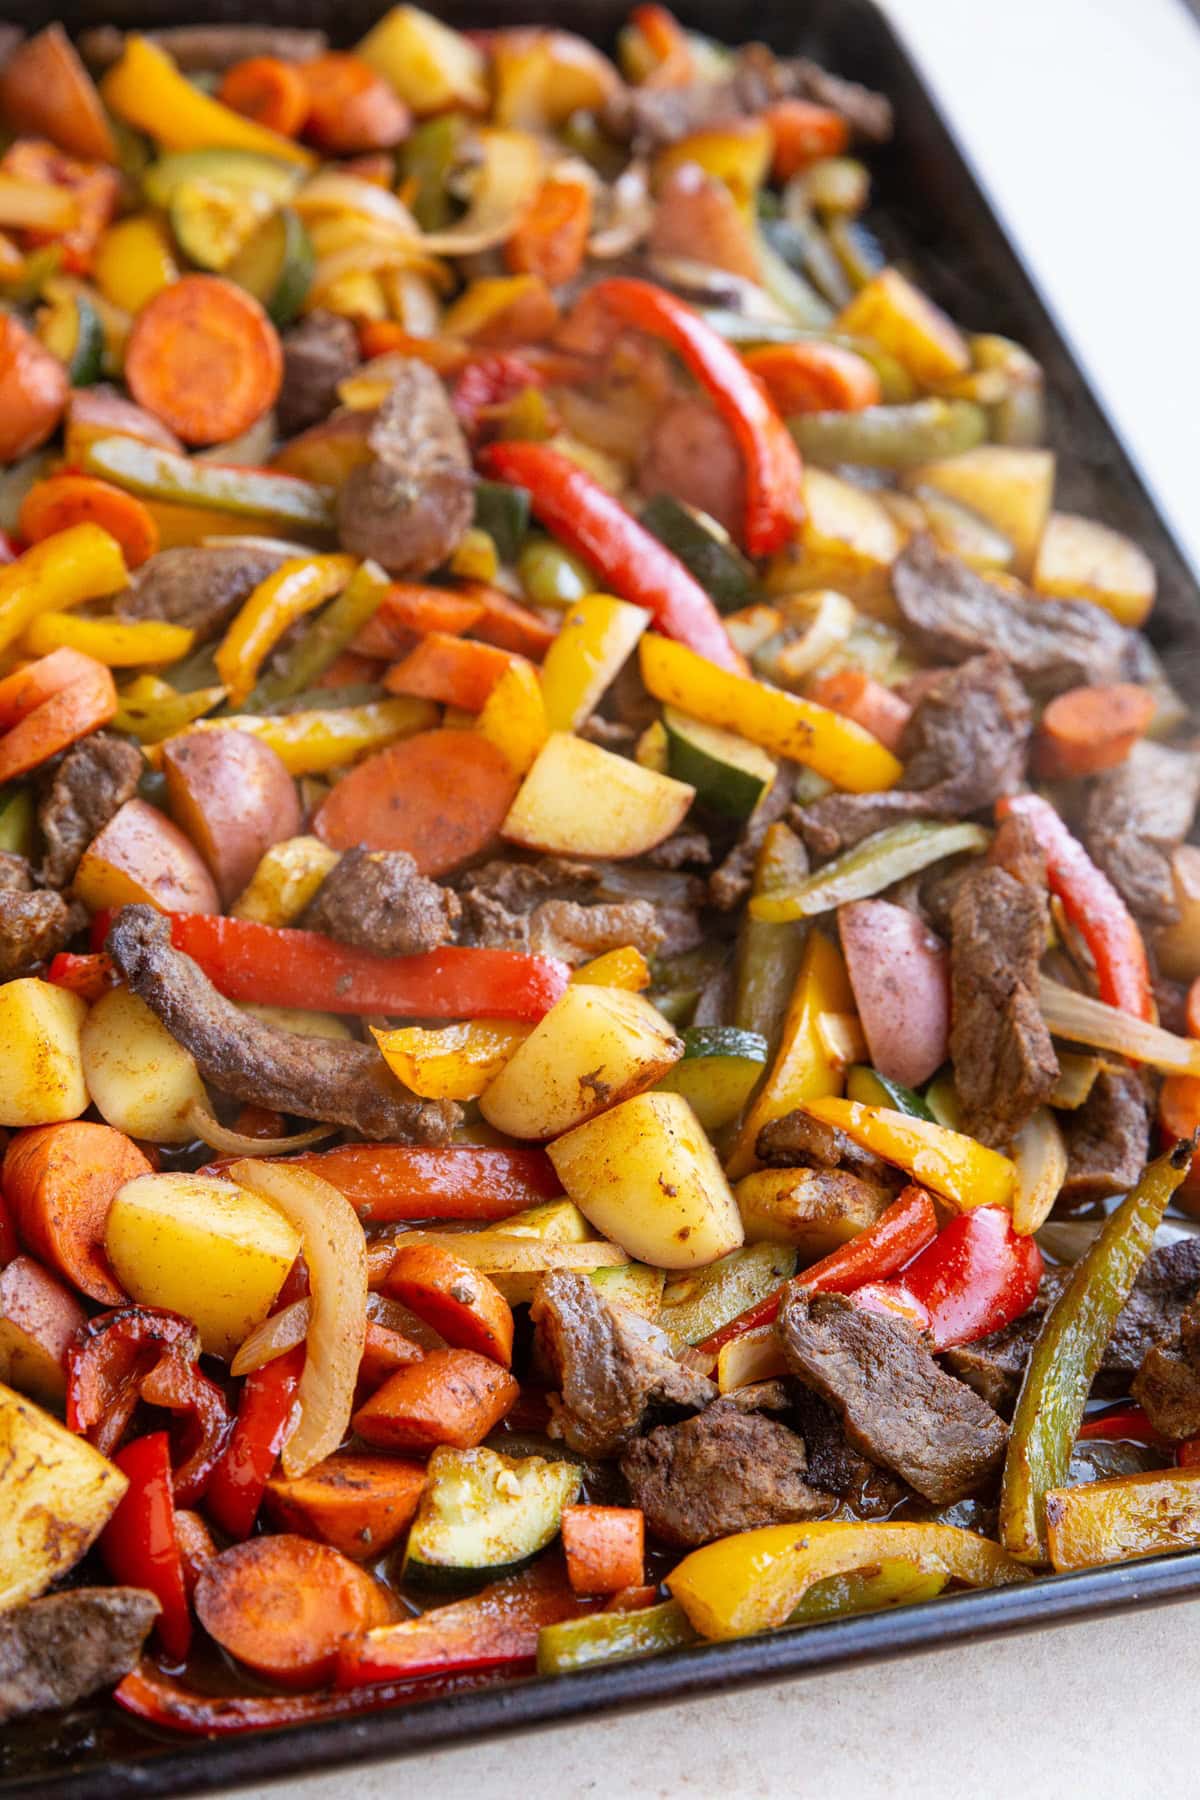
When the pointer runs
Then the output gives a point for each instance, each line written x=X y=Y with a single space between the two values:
x=936 y=213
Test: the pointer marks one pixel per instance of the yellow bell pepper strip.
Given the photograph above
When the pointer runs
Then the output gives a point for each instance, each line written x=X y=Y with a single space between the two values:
x=1068 y=1352
x=803 y=1069
x=118 y=643
x=454 y=1063
x=82 y=563
x=157 y=474
x=514 y=716
x=133 y=262
x=597 y=637
x=295 y=588
x=755 y=1581
x=879 y=861
x=963 y=1172
x=284 y=882
x=782 y=723
x=313 y=743
x=326 y=637
x=147 y=90
x=150 y=709
x=1148 y=1514
x=625 y=968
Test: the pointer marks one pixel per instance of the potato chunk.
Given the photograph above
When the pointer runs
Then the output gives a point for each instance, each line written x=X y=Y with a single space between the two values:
x=43 y=1080
x=141 y=1079
x=56 y=1496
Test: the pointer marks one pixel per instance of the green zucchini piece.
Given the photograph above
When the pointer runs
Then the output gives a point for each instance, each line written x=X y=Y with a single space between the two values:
x=211 y=222
x=704 y=548
x=637 y=1286
x=700 y=1302
x=244 y=169
x=483 y=1515
x=551 y=575
x=719 y=1070
x=870 y=1088
x=255 y=493
x=941 y=1098
x=276 y=265
x=728 y=773
x=503 y=512
x=69 y=327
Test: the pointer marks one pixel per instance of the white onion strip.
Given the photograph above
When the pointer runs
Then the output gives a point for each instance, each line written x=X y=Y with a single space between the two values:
x=210 y=1131
x=1103 y=1027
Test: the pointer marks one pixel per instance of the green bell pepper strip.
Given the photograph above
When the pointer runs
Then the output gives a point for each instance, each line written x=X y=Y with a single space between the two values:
x=879 y=861
x=322 y=643
x=768 y=954
x=890 y=437
x=257 y=493
x=1068 y=1353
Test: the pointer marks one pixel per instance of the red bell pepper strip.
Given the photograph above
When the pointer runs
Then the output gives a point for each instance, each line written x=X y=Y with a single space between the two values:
x=977 y=1276
x=240 y=1478
x=112 y=1355
x=388 y=1184
x=139 y=1544
x=1121 y=1425
x=774 y=472
x=908 y=1225
x=87 y=976
x=278 y=966
x=1092 y=904
x=630 y=562
x=178 y=1385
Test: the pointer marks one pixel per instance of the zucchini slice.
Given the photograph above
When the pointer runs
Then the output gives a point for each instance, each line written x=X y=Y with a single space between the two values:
x=718 y=1072
x=699 y=1303
x=69 y=327
x=211 y=221
x=503 y=512
x=244 y=169
x=728 y=773
x=483 y=1515
x=705 y=548
x=276 y=265
x=870 y=1088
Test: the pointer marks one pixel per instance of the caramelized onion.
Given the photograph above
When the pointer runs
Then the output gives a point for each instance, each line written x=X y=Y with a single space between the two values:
x=210 y=1131
x=1102 y=1027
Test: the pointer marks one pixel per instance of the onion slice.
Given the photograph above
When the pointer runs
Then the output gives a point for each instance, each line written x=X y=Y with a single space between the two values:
x=210 y=1131
x=1040 y=1153
x=332 y=192
x=508 y=178
x=629 y=214
x=1103 y=1027
x=335 y=1251
x=276 y=1335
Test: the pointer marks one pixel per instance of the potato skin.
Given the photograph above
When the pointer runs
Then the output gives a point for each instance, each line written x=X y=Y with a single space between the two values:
x=56 y=1496
x=39 y=1316
x=233 y=797
x=141 y=856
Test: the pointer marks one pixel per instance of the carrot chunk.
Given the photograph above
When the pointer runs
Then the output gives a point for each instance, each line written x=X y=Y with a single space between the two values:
x=351 y=107
x=449 y=669
x=65 y=500
x=1091 y=728
x=59 y=1181
x=205 y=359
x=467 y=1309
x=268 y=90
x=605 y=1547
x=452 y=1397
x=359 y=1504
x=442 y=796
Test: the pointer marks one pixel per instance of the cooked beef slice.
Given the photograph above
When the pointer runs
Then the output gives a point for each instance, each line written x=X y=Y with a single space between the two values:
x=723 y=1471
x=378 y=900
x=1167 y=1386
x=1004 y=1061
x=864 y=1487
x=799 y=1141
x=963 y=749
x=1137 y=814
x=1015 y=849
x=576 y=933
x=16 y=876
x=612 y=1367
x=729 y=884
x=318 y=354
x=684 y=849
x=57 y=1650
x=409 y=505
x=91 y=783
x=198 y=585
x=895 y=1403
x=1108 y=1137
x=951 y=613
x=210 y=47
x=33 y=928
x=331 y=1079
x=575 y=910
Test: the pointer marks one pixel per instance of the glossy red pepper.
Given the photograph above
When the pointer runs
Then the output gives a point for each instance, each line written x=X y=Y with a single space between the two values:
x=908 y=1225
x=630 y=562
x=1121 y=1425
x=106 y=1366
x=236 y=1489
x=774 y=472
x=1093 y=906
x=977 y=1276
x=205 y=1421
x=87 y=976
x=276 y=966
x=139 y=1544
x=388 y=1184
x=162 y=1700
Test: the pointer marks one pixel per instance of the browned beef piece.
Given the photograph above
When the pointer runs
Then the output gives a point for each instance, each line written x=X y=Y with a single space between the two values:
x=723 y=1471
x=198 y=585
x=33 y=928
x=610 y=734
x=613 y=1368
x=1016 y=850
x=1171 y=999
x=952 y=613
x=57 y=1650
x=1137 y=814
x=730 y=882
x=1167 y=1386
x=379 y=900
x=834 y=1465
x=895 y=1403
x=331 y=1079
x=799 y=1141
x=318 y=353
x=576 y=933
x=16 y=876
x=1108 y=1138
x=575 y=910
x=963 y=748
x=409 y=506
x=91 y=783
x=1004 y=1061
x=682 y=850
x=215 y=47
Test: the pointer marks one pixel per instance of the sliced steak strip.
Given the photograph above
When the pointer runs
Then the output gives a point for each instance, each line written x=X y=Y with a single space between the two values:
x=57 y=1650
x=318 y=354
x=215 y=47
x=16 y=876
x=576 y=910
x=952 y=613
x=864 y=1487
x=963 y=749
x=33 y=928
x=799 y=1141
x=330 y=1079
x=1137 y=814
x=723 y=1471
x=612 y=1368
x=895 y=1403
x=1108 y=1138
x=91 y=783
x=576 y=933
x=378 y=900
x=730 y=882
x=409 y=505
x=1167 y=1386
x=198 y=585
x=1004 y=1061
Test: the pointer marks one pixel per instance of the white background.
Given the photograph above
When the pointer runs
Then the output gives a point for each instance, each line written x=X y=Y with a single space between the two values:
x=1083 y=115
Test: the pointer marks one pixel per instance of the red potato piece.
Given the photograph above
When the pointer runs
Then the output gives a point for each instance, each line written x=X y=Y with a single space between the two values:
x=900 y=974
x=39 y=1318
x=59 y=1181
x=140 y=856
x=691 y=453
x=359 y=1504
x=234 y=798
x=698 y=218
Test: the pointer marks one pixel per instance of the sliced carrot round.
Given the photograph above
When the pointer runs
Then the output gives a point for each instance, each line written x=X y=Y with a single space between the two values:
x=59 y=1181
x=205 y=359
x=1088 y=729
x=33 y=390
x=351 y=107
x=442 y=796
x=466 y=1308
x=804 y=378
x=64 y=500
x=268 y=90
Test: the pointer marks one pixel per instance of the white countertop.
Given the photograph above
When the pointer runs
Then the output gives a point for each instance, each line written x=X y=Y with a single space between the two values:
x=1084 y=115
